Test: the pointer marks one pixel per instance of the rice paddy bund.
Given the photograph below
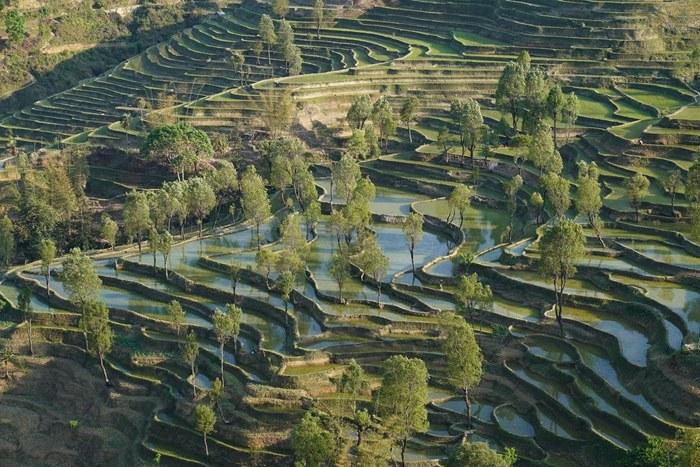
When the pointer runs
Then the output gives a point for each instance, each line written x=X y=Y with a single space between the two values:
x=631 y=312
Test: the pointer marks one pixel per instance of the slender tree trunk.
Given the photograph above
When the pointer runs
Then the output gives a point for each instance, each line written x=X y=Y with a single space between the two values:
x=206 y=446
x=221 y=355
x=29 y=329
x=194 y=381
x=510 y=230
x=560 y=321
x=221 y=413
x=216 y=216
x=403 y=451
x=468 y=405
x=413 y=263
x=104 y=370
x=597 y=230
x=410 y=135
x=560 y=305
x=85 y=338
x=48 y=285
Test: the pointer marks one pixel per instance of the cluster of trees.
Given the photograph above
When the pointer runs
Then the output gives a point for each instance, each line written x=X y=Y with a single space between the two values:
x=471 y=133
x=684 y=451
x=356 y=243
x=538 y=108
x=46 y=202
x=532 y=101
x=397 y=410
x=154 y=213
x=367 y=140
x=288 y=262
x=637 y=189
x=83 y=286
x=282 y=38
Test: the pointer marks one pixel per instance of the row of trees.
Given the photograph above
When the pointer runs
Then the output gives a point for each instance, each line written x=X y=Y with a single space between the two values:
x=83 y=286
x=281 y=9
x=356 y=244
x=283 y=39
x=226 y=326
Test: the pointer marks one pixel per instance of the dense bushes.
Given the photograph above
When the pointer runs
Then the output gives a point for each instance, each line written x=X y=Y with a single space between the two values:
x=88 y=25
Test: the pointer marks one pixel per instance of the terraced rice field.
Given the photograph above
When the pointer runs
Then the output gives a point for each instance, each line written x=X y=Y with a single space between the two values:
x=579 y=399
x=618 y=411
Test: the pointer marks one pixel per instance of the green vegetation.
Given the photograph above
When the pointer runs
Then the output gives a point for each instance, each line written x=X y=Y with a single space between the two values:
x=327 y=278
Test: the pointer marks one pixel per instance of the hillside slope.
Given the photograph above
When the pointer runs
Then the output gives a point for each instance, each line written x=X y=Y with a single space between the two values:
x=583 y=42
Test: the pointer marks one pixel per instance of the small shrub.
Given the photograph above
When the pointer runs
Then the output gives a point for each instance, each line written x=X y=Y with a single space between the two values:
x=500 y=331
x=464 y=258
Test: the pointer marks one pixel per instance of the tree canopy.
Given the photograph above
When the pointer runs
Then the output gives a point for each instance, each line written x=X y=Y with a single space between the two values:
x=402 y=397
x=479 y=455
x=312 y=444
x=463 y=357
x=180 y=147
x=561 y=245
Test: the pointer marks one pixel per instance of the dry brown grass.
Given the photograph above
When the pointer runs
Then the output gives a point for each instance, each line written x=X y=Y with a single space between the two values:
x=39 y=401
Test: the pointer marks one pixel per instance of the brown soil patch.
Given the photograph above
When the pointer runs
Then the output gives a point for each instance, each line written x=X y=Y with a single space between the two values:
x=39 y=401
